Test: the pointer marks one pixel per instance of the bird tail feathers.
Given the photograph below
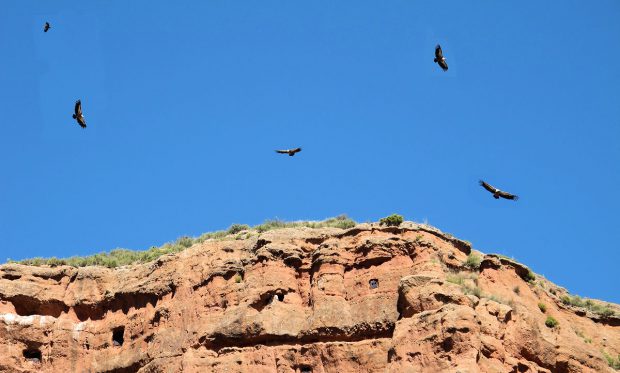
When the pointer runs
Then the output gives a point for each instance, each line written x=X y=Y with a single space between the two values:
x=74 y=117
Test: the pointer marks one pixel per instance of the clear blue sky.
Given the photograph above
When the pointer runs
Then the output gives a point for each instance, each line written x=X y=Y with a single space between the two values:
x=186 y=101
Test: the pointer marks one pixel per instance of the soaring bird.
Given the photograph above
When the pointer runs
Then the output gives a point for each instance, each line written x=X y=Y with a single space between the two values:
x=46 y=27
x=498 y=193
x=440 y=59
x=78 y=114
x=290 y=152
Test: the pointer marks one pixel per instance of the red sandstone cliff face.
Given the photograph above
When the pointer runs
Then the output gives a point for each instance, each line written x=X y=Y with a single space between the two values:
x=367 y=299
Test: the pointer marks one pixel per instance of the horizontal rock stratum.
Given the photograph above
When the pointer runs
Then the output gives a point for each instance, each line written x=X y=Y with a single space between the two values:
x=365 y=299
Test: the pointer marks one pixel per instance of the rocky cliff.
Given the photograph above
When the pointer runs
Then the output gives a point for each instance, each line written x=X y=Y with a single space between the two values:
x=365 y=299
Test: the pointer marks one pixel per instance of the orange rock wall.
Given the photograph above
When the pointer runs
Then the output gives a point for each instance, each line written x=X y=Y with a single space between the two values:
x=298 y=300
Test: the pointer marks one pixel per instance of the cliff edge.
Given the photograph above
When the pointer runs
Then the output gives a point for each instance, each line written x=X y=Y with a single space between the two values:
x=366 y=299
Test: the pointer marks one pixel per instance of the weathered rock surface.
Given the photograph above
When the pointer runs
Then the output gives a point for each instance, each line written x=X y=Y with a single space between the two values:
x=298 y=300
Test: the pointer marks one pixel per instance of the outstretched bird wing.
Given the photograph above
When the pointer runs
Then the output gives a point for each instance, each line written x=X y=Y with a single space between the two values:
x=78 y=114
x=438 y=52
x=47 y=27
x=289 y=151
x=507 y=195
x=488 y=187
x=443 y=64
x=439 y=58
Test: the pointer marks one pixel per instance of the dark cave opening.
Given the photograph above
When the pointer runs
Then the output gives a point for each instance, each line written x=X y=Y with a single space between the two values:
x=118 y=336
x=32 y=354
x=374 y=283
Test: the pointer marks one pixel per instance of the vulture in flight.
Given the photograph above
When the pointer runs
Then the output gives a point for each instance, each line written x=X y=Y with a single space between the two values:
x=78 y=114
x=440 y=59
x=290 y=152
x=498 y=193
x=46 y=27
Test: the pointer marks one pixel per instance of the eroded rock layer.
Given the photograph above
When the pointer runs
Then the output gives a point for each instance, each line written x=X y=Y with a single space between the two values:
x=366 y=299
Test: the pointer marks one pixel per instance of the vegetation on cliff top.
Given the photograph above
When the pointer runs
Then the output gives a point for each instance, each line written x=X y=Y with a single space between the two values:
x=473 y=261
x=588 y=304
x=120 y=257
x=393 y=220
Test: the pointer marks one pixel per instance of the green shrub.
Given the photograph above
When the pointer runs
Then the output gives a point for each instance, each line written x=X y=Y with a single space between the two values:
x=54 y=262
x=597 y=308
x=565 y=299
x=606 y=312
x=473 y=261
x=542 y=307
x=236 y=228
x=613 y=363
x=455 y=279
x=211 y=236
x=238 y=279
x=340 y=221
x=473 y=290
x=551 y=322
x=459 y=278
x=37 y=261
x=111 y=262
x=469 y=289
x=270 y=224
x=577 y=301
x=185 y=241
x=393 y=220
x=530 y=276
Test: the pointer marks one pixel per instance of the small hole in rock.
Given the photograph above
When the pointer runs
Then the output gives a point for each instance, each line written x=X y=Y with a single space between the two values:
x=447 y=344
x=32 y=355
x=305 y=369
x=280 y=297
x=118 y=336
x=522 y=367
x=156 y=319
x=374 y=283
